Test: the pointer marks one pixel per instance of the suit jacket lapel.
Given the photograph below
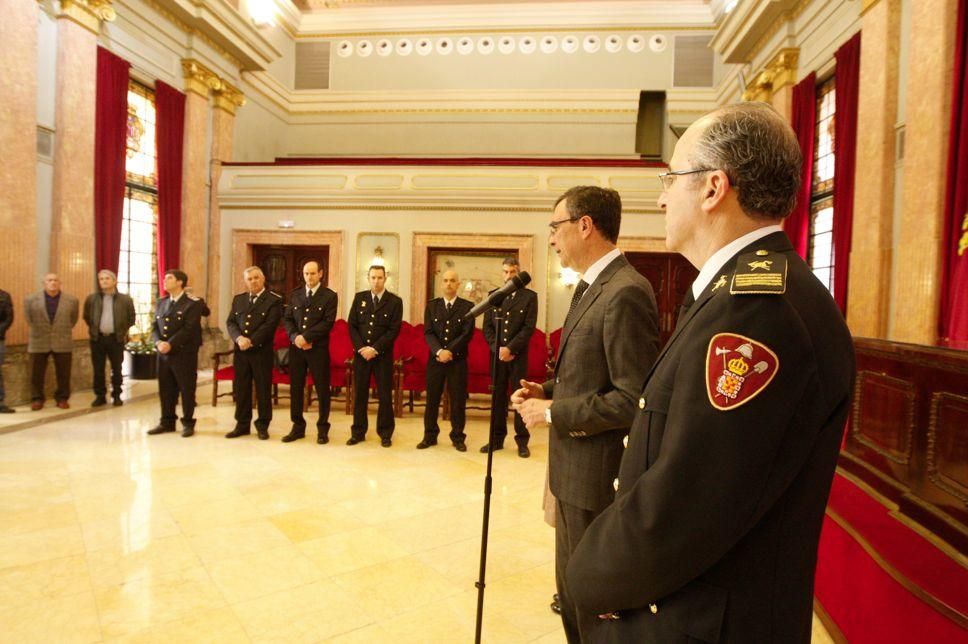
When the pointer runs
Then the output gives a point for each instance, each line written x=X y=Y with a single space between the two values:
x=589 y=298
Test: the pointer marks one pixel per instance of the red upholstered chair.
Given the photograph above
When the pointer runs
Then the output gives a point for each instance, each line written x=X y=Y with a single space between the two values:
x=340 y=356
x=537 y=358
x=415 y=364
x=478 y=364
x=221 y=374
x=280 y=376
x=554 y=341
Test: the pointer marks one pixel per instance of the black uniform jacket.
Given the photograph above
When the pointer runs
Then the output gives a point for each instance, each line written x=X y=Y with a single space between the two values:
x=379 y=327
x=312 y=319
x=181 y=325
x=520 y=318
x=257 y=322
x=448 y=330
x=722 y=488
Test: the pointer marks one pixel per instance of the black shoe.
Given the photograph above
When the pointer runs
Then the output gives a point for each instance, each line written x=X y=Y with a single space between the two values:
x=523 y=451
x=238 y=431
x=293 y=435
x=460 y=447
x=188 y=430
x=160 y=429
x=496 y=448
x=263 y=434
x=353 y=440
x=427 y=442
x=322 y=439
x=7 y=410
x=117 y=402
x=100 y=401
x=386 y=442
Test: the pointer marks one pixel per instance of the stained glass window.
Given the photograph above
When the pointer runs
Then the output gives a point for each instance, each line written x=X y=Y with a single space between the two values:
x=820 y=254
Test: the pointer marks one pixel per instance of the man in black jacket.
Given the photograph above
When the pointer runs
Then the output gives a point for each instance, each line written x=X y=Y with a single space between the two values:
x=308 y=319
x=511 y=342
x=448 y=333
x=6 y=319
x=252 y=326
x=177 y=334
x=109 y=315
x=721 y=491
x=374 y=322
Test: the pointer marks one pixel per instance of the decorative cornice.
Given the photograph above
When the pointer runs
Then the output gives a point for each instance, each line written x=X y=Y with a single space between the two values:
x=866 y=5
x=229 y=97
x=199 y=78
x=778 y=73
x=87 y=13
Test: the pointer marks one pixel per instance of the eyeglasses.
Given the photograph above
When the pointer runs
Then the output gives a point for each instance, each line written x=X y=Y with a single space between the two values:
x=555 y=224
x=668 y=178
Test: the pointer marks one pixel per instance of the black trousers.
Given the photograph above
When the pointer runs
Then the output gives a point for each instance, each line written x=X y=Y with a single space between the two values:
x=178 y=375
x=570 y=524
x=508 y=377
x=38 y=371
x=381 y=368
x=316 y=362
x=455 y=375
x=107 y=348
x=253 y=366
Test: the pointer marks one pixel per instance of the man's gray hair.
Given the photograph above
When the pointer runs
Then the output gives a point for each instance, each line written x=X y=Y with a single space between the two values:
x=251 y=269
x=758 y=151
x=105 y=271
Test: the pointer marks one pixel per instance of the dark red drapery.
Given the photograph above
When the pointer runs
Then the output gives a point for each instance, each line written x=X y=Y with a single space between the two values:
x=953 y=320
x=170 y=133
x=797 y=225
x=110 y=131
x=845 y=145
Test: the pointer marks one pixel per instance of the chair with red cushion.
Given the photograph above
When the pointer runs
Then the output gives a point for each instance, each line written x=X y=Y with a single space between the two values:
x=279 y=376
x=554 y=341
x=221 y=374
x=415 y=365
x=340 y=356
x=537 y=358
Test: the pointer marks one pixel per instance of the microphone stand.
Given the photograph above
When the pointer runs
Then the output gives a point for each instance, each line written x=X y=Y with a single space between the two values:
x=498 y=317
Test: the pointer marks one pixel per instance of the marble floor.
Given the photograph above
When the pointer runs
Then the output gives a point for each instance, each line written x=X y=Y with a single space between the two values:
x=111 y=535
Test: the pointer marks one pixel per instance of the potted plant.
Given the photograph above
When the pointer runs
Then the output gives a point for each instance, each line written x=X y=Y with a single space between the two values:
x=144 y=363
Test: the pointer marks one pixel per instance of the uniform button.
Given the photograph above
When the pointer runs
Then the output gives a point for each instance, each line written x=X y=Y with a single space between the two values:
x=762 y=253
x=557 y=380
x=625 y=441
x=615 y=485
x=642 y=402
x=652 y=607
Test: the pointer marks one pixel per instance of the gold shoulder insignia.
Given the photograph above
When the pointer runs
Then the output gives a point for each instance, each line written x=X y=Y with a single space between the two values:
x=194 y=298
x=759 y=273
x=275 y=294
x=721 y=282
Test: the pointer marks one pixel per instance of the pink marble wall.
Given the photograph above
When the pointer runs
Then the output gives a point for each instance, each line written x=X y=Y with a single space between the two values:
x=223 y=124
x=194 y=229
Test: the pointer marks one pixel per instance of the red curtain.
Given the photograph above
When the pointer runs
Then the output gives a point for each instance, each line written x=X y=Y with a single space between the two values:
x=954 y=278
x=110 y=132
x=797 y=225
x=170 y=133
x=845 y=145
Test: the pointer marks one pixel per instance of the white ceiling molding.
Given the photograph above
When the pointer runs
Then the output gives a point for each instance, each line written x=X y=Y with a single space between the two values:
x=743 y=28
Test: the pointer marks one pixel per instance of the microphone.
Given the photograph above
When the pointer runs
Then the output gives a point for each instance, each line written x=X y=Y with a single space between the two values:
x=516 y=283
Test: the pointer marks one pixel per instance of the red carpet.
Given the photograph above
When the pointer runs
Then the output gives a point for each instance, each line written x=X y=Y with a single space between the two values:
x=880 y=581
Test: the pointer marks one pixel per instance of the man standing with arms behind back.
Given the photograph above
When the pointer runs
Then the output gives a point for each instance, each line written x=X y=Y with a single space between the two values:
x=713 y=534
x=109 y=315
x=608 y=343
x=51 y=315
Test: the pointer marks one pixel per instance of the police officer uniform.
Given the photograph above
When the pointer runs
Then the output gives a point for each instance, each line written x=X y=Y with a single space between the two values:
x=374 y=322
x=520 y=312
x=311 y=315
x=178 y=322
x=446 y=327
x=722 y=487
x=254 y=317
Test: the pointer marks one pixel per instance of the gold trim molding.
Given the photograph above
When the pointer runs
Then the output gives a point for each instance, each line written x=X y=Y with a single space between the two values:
x=777 y=74
x=199 y=78
x=229 y=97
x=88 y=13
x=867 y=5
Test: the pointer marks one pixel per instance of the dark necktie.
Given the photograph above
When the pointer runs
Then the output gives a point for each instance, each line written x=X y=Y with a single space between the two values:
x=448 y=307
x=376 y=301
x=252 y=300
x=687 y=302
x=580 y=289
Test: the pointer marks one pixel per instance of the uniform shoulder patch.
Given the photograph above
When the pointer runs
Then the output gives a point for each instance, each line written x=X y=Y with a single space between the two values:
x=759 y=273
x=737 y=370
x=193 y=298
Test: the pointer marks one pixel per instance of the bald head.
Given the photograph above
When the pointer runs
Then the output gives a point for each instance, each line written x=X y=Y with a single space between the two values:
x=449 y=282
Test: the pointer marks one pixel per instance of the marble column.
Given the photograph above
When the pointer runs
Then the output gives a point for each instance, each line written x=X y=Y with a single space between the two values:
x=927 y=96
x=227 y=99
x=868 y=307
x=18 y=140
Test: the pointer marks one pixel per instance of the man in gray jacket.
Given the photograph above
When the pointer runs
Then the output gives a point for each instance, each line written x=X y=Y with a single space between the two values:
x=51 y=314
x=109 y=316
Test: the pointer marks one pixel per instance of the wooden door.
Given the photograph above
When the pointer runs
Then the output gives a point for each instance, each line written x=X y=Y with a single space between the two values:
x=671 y=275
x=282 y=265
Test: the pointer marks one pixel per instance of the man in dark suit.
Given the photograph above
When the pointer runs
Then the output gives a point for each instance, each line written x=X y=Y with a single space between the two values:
x=448 y=333
x=511 y=341
x=721 y=493
x=252 y=326
x=51 y=316
x=374 y=322
x=177 y=334
x=109 y=315
x=6 y=319
x=608 y=342
x=308 y=319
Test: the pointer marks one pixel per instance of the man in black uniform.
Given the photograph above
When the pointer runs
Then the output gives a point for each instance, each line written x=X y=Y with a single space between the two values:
x=252 y=326
x=520 y=312
x=374 y=322
x=448 y=333
x=177 y=334
x=722 y=488
x=308 y=319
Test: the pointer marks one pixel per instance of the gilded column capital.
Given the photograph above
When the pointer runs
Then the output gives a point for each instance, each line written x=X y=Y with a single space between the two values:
x=866 y=6
x=87 y=13
x=229 y=97
x=199 y=78
x=777 y=74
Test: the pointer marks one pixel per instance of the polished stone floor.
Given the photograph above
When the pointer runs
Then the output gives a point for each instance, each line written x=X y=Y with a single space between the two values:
x=108 y=534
